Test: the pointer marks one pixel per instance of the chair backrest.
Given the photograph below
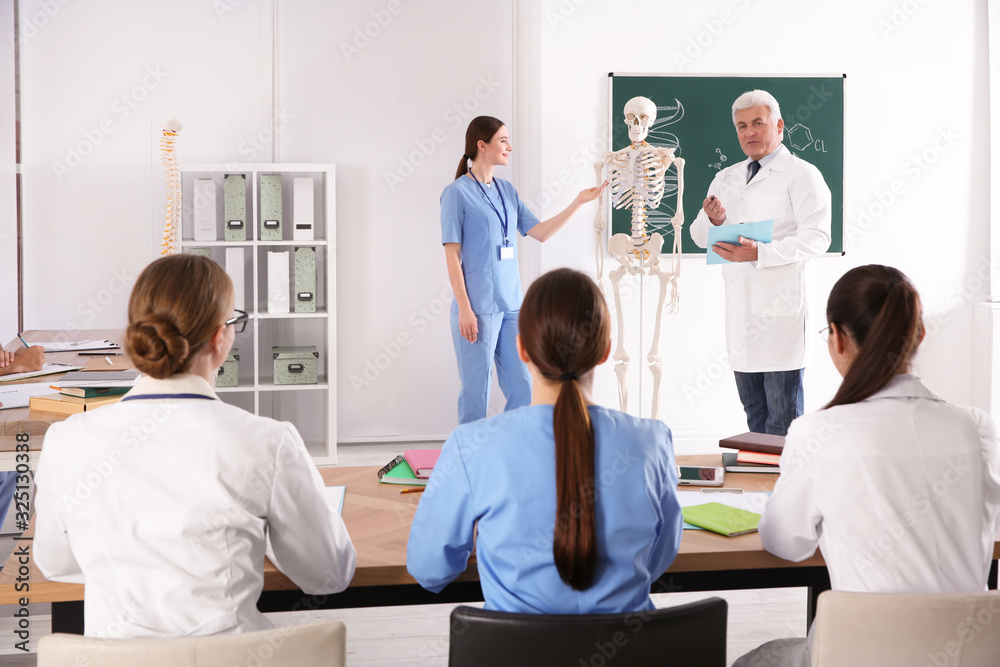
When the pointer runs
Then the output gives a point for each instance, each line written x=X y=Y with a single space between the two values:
x=307 y=645
x=944 y=630
x=693 y=635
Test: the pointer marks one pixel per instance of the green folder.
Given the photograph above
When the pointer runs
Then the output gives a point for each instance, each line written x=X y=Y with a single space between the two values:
x=399 y=472
x=722 y=519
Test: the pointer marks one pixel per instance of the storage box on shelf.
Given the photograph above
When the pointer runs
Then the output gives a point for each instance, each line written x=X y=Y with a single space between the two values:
x=291 y=299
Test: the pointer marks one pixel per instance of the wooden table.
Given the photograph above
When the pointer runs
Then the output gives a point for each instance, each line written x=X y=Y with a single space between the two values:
x=34 y=423
x=378 y=518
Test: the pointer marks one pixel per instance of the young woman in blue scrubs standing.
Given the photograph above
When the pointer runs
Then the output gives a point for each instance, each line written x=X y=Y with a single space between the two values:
x=479 y=215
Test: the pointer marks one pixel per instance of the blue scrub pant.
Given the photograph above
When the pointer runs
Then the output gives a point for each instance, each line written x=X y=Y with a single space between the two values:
x=771 y=400
x=496 y=341
x=8 y=480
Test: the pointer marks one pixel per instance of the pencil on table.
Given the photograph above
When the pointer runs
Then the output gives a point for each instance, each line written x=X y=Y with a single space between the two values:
x=416 y=490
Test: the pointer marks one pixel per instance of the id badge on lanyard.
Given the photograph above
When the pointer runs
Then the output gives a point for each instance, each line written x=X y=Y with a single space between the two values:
x=505 y=250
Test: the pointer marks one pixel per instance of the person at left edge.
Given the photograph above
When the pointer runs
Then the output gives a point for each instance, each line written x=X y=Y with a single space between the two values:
x=479 y=215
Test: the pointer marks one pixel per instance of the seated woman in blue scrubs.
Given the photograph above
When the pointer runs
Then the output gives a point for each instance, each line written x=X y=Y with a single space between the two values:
x=574 y=505
x=479 y=213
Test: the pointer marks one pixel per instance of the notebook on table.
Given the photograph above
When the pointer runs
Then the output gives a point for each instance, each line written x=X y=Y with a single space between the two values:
x=397 y=471
x=755 y=442
x=422 y=461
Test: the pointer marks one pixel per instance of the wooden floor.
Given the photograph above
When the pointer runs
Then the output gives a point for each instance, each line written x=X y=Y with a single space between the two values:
x=418 y=636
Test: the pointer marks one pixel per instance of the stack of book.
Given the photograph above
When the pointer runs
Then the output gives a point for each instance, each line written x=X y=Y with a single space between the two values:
x=79 y=400
x=756 y=452
x=84 y=390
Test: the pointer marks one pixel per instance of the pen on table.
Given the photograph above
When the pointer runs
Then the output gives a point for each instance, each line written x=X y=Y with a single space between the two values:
x=23 y=341
x=416 y=490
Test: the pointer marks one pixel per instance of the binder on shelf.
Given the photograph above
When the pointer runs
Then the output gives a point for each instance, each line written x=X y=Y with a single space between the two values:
x=234 y=267
x=270 y=207
x=204 y=210
x=277 y=281
x=305 y=280
x=303 y=213
x=236 y=207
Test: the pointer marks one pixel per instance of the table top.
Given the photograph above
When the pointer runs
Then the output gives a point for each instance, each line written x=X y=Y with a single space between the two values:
x=378 y=518
x=32 y=422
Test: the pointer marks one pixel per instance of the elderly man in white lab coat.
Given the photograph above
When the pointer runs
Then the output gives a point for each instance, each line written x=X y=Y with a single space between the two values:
x=766 y=283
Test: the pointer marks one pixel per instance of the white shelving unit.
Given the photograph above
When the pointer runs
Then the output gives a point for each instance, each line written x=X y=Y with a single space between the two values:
x=311 y=407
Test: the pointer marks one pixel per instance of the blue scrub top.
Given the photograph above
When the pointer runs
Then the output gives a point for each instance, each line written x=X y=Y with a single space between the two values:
x=494 y=286
x=500 y=472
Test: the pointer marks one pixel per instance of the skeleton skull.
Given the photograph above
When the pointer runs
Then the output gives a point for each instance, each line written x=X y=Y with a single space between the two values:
x=640 y=112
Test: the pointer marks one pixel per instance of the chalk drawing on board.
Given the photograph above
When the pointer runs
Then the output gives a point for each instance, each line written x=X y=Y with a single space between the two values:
x=799 y=137
x=667 y=115
x=722 y=161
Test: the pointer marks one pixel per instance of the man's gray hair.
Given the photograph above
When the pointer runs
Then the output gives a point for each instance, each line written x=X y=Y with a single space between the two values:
x=753 y=98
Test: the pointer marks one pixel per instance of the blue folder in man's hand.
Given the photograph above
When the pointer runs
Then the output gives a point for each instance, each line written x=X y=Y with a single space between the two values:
x=758 y=231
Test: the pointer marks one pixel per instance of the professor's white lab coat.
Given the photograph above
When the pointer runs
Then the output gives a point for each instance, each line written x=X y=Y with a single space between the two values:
x=165 y=508
x=766 y=300
x=901 y=492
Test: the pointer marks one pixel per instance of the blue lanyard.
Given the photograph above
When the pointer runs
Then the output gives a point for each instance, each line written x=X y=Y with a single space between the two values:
x=150 y=397
x=503 y=220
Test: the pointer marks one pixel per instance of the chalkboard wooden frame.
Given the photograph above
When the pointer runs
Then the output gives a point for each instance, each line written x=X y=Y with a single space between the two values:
x=695 y=112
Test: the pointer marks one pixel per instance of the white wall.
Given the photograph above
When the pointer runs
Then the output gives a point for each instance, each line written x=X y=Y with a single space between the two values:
x=8 y=198
x=393 y=101
x=904 y=90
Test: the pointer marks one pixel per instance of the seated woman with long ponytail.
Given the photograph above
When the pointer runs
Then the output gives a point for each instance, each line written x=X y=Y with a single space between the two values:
x=899 y=489
x=573 y=504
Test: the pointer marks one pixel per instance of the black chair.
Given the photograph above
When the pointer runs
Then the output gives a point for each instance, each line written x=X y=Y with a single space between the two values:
x=692 y=635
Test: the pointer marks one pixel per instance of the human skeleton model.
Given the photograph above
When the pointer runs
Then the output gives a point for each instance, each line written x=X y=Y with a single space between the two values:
x=636 y=174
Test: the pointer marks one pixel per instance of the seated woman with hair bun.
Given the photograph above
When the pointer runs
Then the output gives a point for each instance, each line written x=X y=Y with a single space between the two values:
x=166 y=503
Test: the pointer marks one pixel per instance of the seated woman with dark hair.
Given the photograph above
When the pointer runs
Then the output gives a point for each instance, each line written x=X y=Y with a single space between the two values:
x=574 y=505
x=166 y=503
x=898 y=488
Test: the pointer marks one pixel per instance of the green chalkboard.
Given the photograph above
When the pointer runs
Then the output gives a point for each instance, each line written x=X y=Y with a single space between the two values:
x=695 y=113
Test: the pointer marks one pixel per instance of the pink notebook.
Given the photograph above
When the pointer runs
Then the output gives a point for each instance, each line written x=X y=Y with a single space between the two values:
x=421 y=461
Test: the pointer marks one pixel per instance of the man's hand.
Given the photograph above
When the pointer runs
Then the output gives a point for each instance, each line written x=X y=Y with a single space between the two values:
x=746 y=251
x=715 y=211
x=24 y=360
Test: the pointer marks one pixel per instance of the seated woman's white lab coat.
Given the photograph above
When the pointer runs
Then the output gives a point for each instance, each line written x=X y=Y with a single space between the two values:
x=165 y=508
x=901 y=492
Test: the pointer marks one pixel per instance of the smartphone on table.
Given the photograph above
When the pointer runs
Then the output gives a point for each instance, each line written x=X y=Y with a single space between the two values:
x=701 y=475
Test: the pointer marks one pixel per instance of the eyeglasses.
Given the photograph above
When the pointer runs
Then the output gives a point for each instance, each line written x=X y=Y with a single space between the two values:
x=239 y=321
x=825 y=333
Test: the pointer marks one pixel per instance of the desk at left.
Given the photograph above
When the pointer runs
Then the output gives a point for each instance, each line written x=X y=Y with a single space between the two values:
x=34 y=423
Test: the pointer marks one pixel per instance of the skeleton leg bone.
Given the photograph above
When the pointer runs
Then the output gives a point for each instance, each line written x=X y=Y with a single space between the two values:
x=621 y=355
x=599 y=228
x=654 y=357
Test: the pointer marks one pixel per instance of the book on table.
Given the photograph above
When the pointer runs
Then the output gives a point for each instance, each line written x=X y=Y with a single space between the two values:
x=91 y=392
x=732 y=465
x=398 y=471
x=60 y=405
x=758 y=457
x=722 y=519
x=765 y=443
x=422 y=461
x=97 y=379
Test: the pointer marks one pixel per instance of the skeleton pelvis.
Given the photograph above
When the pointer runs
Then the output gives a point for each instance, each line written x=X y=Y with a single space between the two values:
x=635 y=257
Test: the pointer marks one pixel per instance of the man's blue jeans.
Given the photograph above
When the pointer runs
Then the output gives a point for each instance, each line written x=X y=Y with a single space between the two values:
x=771 y=400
